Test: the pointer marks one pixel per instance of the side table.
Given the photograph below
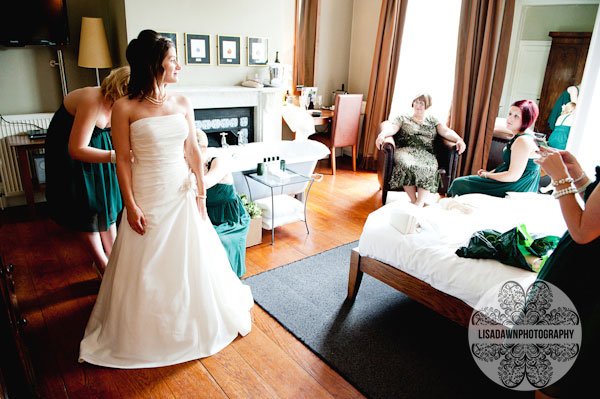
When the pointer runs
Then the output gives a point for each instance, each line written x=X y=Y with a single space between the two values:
x=22 y=143
x=274 y=182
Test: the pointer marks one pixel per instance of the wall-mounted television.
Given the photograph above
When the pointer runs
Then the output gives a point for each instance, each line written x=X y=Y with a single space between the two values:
x=34 y=22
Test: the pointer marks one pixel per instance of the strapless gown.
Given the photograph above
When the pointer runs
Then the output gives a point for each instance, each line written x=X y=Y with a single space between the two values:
x=167 y=296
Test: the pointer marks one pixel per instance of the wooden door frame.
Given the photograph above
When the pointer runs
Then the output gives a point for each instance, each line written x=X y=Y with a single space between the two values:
x=517 y=32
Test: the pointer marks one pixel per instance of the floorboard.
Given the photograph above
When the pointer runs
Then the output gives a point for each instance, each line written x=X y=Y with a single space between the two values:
x=57 y=286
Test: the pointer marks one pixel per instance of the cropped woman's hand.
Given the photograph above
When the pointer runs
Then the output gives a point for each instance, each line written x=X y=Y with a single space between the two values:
x=136 y=219
x=482 y=173
x=379 y=141
x=552 y=163
x=202 y=208
x=461 y=146
x=573 y=166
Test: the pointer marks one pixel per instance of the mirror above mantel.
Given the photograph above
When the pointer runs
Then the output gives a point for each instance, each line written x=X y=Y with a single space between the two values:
x=533 y=72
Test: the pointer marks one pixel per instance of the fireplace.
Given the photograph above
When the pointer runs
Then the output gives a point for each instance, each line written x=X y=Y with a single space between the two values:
x=263 y=109
x=235 y=125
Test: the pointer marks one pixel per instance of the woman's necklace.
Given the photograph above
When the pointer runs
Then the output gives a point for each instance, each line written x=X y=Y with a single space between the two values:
x=159 y=101
x=419 y=121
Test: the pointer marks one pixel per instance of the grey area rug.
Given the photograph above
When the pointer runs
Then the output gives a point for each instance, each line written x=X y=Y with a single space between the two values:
x=385 y=344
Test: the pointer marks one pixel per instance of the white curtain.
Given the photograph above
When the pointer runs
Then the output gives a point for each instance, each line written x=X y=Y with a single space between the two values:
x=584 y=138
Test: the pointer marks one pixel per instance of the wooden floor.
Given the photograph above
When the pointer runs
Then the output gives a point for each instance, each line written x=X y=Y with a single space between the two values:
x=57 y=287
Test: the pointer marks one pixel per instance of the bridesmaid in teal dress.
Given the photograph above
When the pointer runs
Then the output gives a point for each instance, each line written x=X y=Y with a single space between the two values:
x=225 y=209
x=572 y=267
x=560 y=135
x=81 y=182
x=518 y=172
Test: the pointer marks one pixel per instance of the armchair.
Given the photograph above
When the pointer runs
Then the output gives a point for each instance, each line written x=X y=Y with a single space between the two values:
x=445 y=153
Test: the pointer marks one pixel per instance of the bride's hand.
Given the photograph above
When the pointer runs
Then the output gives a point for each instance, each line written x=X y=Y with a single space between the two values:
x=202 y=208
x=136 y=219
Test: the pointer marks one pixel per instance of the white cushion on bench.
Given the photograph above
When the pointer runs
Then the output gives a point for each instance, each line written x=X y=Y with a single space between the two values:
x=287 y=210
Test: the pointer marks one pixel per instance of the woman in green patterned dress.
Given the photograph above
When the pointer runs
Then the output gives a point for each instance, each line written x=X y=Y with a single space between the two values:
x=224 y=207
x=81 y=181
x=518 y=172
x=415 y=166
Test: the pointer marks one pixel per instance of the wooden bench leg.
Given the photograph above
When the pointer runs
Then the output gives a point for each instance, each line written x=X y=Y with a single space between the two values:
x=354 y=275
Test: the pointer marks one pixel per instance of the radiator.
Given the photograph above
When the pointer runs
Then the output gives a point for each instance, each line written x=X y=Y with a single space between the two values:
x=9 y=166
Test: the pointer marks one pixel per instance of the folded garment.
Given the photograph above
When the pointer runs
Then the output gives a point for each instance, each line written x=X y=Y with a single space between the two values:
x=451 y=203
x=514 y=247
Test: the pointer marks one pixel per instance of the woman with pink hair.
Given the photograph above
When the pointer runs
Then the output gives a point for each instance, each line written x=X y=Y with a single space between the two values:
x=518 y=172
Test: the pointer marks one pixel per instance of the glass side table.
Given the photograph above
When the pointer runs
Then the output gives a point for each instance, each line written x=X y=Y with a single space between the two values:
x=274 y=182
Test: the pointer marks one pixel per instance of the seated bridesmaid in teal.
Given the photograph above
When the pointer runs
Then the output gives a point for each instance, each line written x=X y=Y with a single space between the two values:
x=518 y=172
x=225 y=208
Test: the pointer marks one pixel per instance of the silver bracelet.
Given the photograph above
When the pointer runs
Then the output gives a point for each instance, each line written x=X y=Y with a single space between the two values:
x=565 y=191
x=579 y=178
x=562 y=181
x=113 y=156
x=582 y=188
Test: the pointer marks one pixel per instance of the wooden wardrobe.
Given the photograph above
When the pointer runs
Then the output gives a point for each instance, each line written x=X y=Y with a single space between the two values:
x=566 y=62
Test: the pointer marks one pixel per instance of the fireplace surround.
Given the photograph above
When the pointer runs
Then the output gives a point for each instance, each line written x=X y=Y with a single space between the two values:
x=219 y=102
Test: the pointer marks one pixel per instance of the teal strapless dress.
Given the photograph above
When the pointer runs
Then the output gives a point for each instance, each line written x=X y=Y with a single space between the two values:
x=560 y=135
x=231 y=221
x=529 y=181
x=82 y=196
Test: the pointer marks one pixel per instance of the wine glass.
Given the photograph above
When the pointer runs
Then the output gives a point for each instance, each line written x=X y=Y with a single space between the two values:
x=318 y=102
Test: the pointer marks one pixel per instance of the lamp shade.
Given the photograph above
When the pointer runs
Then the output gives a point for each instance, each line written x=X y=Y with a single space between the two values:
x=93 y=47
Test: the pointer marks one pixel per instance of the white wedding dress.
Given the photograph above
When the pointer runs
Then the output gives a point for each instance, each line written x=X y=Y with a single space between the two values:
x=170 y=295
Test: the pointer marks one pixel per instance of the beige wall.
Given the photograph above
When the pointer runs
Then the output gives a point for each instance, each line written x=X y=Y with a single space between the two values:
x=540 y=20
x=365 y=22
x=347 y=37
x=335 y=30
x=29 y=84
x=273 y=19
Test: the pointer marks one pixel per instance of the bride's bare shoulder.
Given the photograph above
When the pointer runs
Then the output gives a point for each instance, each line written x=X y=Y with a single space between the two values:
x=125 y=103
x=181 y=99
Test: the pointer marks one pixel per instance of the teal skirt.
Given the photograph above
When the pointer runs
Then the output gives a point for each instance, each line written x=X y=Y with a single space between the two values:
x=559 y=137
x=81 y=196
x=231 y=221
x=529 y=182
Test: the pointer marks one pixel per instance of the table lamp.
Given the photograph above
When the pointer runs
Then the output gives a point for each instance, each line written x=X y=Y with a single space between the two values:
x=93 y=47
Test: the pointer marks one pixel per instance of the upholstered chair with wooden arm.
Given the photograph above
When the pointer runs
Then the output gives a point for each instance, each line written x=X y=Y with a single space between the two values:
x=445 y=152
x=344 y=127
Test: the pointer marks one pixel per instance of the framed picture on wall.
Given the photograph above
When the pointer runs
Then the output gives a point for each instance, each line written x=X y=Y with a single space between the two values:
x=173 y=37
x=228 y=50
x=197 y=49
x=258 y=51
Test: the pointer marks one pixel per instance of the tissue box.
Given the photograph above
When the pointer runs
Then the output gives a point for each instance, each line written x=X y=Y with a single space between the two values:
x=403 y=221
x=254 y=236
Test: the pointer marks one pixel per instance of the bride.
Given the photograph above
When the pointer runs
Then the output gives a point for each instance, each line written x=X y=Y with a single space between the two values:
x=169 y=294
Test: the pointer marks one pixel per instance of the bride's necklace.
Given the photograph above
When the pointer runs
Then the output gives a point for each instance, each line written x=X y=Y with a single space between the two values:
x=159 y=101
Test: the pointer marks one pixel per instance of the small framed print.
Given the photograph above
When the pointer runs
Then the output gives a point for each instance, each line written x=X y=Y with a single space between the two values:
x=197 y=49
x=173 y=37
x=228 y=49
x=258 y=51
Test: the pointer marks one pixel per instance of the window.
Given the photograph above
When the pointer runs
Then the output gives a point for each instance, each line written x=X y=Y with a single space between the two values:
x=427 y=56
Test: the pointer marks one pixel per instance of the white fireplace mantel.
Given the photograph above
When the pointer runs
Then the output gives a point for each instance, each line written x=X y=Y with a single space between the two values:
x=267 y=103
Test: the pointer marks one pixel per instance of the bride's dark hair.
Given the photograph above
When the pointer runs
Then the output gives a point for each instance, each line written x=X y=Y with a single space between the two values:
x=145 y=55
